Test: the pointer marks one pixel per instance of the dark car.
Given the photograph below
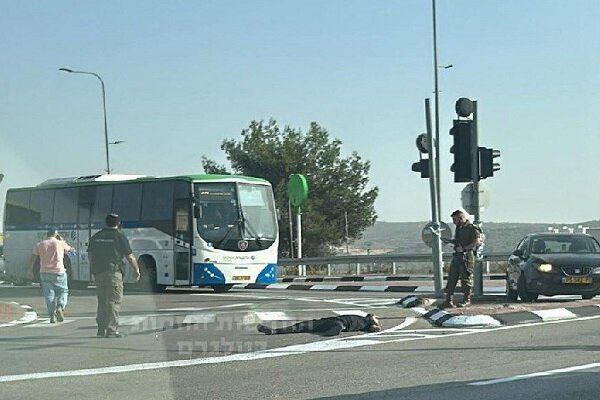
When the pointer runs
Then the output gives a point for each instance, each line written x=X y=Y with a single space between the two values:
x=554 y=263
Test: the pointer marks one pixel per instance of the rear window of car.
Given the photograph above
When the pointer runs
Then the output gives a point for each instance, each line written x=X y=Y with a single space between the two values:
x=566 y=244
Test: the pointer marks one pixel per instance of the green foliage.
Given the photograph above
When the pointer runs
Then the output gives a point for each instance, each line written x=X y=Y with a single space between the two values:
x=336 y=184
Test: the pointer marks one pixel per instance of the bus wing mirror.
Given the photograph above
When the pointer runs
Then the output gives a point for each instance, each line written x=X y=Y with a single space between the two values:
x=197 y=212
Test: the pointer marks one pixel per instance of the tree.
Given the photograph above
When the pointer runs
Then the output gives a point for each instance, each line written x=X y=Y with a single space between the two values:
x=336 y=184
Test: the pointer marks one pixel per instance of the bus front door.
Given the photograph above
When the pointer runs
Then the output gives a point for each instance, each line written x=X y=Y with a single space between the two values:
x=83 y=236
x=183 y=242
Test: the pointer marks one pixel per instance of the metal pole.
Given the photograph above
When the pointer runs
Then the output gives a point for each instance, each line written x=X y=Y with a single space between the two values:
x=105 y=124
x=346 y=220
x=478 y=276
x=103 y=108
x=435 y=139
x=436 y=248
x=291 y=222
x=301 y=268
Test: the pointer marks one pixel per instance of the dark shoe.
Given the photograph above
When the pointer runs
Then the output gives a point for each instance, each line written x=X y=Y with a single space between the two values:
x=53 y=318
x=466 y=300
x=115 y=334
x=264 y=329
x=448 y=303
x=465 y=303
x=101 y=332
x=60 y=314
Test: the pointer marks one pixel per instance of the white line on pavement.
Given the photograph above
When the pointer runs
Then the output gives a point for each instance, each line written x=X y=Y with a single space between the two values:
x=325 y=345
x=205 y=308
x=535 y=375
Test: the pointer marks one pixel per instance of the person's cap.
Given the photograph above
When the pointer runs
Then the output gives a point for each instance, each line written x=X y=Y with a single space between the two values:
x=51 y=232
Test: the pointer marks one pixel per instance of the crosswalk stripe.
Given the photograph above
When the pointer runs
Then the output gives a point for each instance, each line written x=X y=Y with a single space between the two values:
x=45 y=323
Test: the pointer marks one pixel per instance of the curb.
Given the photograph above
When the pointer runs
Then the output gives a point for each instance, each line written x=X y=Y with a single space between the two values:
x=335 y=288
x=442 y=318
x=374 y=278
x=29 y=315
x=349 y=288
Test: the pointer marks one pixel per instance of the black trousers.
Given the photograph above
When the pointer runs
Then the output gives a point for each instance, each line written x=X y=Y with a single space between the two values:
x=325 y=327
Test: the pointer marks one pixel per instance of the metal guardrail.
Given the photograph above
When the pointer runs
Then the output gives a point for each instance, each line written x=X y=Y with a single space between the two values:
x=360 y=261
x=380 y=258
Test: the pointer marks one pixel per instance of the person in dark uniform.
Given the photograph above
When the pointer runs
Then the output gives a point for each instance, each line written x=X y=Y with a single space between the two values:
x=106 y=251
x=329 y=326
x=466 y=239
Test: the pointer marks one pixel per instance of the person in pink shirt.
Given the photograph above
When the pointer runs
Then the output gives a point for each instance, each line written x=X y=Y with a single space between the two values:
x=53 y=276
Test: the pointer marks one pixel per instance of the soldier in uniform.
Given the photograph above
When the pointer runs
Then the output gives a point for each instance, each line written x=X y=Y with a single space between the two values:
x=106 y=251
x=466 y=239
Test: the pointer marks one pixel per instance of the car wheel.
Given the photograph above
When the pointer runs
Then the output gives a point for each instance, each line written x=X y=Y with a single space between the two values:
x=587 y=296
x=525 y=295
x=511 y=294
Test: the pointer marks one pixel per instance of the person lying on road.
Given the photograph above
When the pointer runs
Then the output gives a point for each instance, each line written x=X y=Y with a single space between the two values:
x=329 y=326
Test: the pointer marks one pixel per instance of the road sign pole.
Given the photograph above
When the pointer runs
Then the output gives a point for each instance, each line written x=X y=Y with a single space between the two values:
x=436 y=248
x=301 y=268
x=478 y=276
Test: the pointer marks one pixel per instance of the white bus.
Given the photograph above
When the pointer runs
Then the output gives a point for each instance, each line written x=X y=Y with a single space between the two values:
x=196 y=230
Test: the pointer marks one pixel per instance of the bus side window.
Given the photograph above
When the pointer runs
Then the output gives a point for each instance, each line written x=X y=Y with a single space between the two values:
x=42 y=205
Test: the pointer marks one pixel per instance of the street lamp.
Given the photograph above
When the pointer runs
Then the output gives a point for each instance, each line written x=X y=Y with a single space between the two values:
x=104 y=108
x=436 y=138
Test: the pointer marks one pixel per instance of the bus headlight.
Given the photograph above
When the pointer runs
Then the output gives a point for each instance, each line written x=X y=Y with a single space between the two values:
x=596 y=270
x=544 y=267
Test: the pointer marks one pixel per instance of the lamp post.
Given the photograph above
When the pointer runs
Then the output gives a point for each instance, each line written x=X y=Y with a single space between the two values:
x=103 y=106
x=436 y=91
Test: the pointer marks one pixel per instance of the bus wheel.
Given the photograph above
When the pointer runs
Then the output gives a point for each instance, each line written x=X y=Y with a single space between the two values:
x=148 y=276
x=221 y=288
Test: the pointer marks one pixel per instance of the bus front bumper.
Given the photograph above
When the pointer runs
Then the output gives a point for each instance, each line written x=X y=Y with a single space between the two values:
x=209 y=274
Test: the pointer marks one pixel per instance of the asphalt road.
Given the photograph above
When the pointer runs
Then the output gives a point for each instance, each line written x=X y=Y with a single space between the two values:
x=197 y=344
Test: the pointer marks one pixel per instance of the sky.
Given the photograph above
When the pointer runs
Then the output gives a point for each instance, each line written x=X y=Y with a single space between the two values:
x=182 y=76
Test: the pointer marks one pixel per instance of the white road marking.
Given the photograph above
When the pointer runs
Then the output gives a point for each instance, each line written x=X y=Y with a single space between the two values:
x=242 y=295
x=340 y=343
x=45 y=323
x=350 y=312
x=274 y=316
x=325 y=345
x=200 y=318
x=132 y=320
x=205 y=308
x=535 y=374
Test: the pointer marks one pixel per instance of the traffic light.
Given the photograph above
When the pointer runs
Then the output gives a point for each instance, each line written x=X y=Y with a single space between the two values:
x=462 y=132
x=487 y=166
x=422 y=166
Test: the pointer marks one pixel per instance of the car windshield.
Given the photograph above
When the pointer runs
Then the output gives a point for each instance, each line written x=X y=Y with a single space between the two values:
x=564 y=244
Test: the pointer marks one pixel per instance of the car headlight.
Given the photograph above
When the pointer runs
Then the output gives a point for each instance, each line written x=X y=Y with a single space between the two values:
x=544 y=267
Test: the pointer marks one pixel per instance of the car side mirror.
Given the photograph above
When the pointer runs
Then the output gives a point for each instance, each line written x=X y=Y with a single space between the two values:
x=518 y=253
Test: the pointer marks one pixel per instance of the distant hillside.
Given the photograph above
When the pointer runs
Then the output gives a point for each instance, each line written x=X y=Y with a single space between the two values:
x=405 y=237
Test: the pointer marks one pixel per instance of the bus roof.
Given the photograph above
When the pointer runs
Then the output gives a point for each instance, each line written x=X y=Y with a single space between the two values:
x=113 y=178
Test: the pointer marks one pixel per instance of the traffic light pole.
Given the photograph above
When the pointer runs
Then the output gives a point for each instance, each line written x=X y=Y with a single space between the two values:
x=436 y=245
x=478 y=273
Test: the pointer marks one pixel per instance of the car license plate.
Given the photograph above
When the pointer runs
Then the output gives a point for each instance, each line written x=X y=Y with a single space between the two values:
x=241 y=278
x=577 y=279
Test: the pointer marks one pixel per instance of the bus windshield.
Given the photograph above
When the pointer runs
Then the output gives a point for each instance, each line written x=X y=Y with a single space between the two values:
x=230 y=212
